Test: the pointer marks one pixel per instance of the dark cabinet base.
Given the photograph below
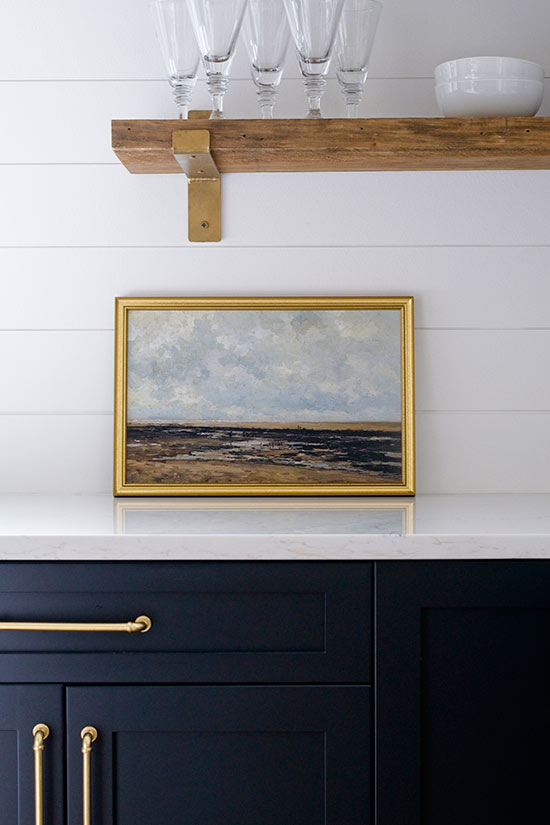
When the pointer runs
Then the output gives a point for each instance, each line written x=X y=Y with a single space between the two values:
x=463 y=686
x=249 y=700
x=212 y=622
x=237 y=755
x=21 y=708
x=246 y=703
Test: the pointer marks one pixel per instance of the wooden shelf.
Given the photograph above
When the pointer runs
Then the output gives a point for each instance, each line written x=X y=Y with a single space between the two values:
x=203 y=149
x=145 y=146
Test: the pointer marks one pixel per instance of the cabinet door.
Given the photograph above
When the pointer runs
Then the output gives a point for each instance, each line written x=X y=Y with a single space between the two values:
x=21 y=708
x=231 y=755
x=463 y=693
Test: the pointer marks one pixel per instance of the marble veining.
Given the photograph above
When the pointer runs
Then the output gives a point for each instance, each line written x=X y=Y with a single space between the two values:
x=428 y=527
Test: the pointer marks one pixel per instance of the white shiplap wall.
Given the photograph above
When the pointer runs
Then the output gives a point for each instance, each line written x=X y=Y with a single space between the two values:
x=76 y=229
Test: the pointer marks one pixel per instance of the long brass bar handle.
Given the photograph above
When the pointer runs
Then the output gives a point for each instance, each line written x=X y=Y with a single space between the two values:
x=88 y=735
x=40 y=733
x=141 y=625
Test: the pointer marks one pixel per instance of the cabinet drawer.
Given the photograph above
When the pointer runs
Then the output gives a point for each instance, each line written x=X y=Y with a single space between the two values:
x=227 y=622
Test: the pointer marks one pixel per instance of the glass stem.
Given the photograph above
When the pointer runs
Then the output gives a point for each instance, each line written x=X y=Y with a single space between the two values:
x=266 y=99
x=217 y=86
x=353 y=92
x=315 y=86
x=182 y=95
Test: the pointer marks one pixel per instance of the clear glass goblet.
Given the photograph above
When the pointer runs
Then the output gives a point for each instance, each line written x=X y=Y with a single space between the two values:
x=354 y=43
x=179 y=49
x=267 y=34
x=217 y=24
x=313 y=24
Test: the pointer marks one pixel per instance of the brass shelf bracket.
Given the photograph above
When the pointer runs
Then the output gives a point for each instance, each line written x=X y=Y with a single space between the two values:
x=191 y=149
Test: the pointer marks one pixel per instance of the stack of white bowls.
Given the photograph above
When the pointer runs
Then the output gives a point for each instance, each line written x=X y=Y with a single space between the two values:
x=489 y=87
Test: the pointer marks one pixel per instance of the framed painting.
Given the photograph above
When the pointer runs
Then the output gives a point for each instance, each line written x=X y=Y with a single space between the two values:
x=264 y=396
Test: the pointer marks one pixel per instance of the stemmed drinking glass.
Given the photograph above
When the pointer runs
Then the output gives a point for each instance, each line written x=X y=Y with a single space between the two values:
x=313 y=24
x=354 y=42
x=217 y=24
x=179 y=48
x=267 y=34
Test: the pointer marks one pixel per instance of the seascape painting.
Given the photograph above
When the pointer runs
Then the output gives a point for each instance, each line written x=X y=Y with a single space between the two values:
x=298 y=396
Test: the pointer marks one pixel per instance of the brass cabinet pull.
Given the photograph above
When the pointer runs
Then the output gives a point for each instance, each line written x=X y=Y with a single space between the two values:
x=40 y=733
x=88 y=735
x=141 y=625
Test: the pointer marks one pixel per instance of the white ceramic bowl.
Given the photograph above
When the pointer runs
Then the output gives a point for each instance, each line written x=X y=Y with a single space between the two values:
x=489 y=87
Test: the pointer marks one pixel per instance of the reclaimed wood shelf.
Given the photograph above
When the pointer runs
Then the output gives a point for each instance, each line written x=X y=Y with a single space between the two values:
x=376 y=144
x=204 y=148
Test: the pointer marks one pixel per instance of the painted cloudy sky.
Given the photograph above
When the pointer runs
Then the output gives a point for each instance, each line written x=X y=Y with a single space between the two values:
x=264 y=365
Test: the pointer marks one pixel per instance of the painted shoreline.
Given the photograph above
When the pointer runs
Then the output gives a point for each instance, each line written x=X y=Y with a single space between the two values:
x=272 y=425
x=262 y=453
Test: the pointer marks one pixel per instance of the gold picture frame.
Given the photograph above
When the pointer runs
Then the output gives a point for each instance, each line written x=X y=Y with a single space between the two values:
x=405 y=485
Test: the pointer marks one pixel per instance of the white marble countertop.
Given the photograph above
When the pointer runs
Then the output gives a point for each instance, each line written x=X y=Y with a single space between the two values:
x=428 y=527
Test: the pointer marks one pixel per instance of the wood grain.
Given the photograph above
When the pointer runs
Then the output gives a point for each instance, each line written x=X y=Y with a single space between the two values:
x=377 y=144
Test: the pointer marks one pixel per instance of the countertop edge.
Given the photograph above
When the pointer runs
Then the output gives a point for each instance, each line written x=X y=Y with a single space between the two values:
x=274 y=547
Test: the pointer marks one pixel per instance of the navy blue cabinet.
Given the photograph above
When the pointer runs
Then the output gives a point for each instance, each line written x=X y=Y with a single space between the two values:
x=22 y=707
x=463 y=693
x=247 y=755
x=248 y=702
x=254 y=698
x=229 y=622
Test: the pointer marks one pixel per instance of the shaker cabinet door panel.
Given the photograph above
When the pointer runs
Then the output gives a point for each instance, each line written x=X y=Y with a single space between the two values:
x=226 y=622
x=21 y=708
x=232 y=755
x=463 y=677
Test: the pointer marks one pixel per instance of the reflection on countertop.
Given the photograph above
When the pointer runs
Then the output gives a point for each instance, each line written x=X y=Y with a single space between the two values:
x=101 y=515
x=98 y=527
x=261 y=516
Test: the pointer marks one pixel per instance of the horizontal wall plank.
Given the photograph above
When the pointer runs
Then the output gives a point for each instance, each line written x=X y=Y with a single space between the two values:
x=414 y=37
x=482 y=370
x=114 y=39
x=56 y=454
x=106 y=206
x=453 y=287
x=455 y=370
x=480 y=453
x=56 y=371
x=85 y=137
x=455 y=453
